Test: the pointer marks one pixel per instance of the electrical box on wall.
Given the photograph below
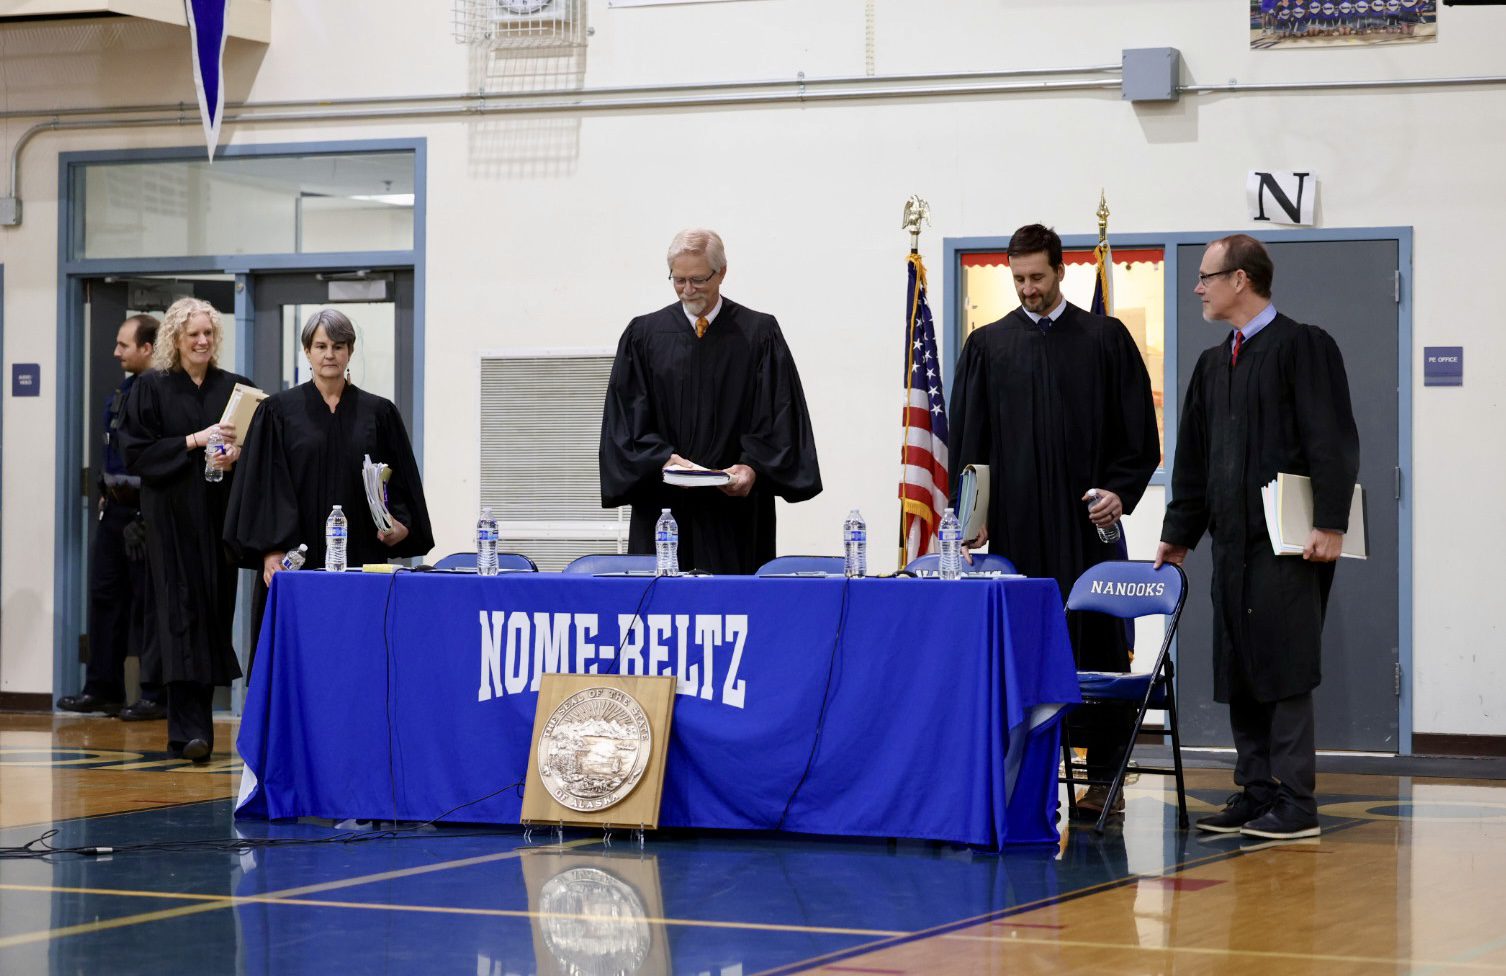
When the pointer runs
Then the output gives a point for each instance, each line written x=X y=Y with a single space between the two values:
x=1151 y=74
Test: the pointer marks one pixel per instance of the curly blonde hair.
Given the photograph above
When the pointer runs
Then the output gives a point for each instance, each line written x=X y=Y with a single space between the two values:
x=165 y=357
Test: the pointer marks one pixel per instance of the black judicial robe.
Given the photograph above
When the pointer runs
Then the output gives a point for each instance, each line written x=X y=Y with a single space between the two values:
x=1283 y=408
x=301 y=459
x=192 y=579
x=732 y=397
x=1054 y=413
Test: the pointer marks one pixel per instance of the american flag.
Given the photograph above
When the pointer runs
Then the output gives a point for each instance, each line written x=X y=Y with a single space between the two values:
x=923 y=484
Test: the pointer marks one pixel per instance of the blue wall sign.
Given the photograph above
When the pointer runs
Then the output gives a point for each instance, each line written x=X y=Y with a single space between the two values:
x=25 y=379
x=1442 y=365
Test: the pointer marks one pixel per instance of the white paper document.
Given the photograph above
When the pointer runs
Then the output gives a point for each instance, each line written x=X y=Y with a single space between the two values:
x=374 y=476
x=1289 y=516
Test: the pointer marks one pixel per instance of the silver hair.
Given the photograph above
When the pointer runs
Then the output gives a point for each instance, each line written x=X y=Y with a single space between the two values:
x=697 y=240
x=337 y=327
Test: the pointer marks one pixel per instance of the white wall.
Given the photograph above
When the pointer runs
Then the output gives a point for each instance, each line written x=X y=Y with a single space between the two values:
x=550 y=230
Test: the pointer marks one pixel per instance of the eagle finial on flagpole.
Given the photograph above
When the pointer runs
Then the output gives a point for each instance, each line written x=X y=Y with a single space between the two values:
x=916 y=212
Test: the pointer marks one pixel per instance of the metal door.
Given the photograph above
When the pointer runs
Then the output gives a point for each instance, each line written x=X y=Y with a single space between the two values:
x=1349 y=288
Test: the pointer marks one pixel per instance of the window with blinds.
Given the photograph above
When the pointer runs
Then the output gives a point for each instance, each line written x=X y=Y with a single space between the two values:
x=540 y=431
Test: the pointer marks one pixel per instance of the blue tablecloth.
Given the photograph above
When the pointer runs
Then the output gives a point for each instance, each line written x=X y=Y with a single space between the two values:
x=406 y=696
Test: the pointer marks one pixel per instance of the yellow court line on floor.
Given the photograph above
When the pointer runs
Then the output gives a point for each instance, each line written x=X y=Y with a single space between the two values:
x=225 y=901
x=1210 y=951
x=112 y=892
x=572 y=916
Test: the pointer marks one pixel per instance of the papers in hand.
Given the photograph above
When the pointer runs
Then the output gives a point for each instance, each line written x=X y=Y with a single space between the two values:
x=1289 y=516
x=374 y=475
x=695 y=477
x=972 y=500
x=240 y=408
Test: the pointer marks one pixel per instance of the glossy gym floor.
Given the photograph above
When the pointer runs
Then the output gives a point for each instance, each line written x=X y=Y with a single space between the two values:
x=1409 y=876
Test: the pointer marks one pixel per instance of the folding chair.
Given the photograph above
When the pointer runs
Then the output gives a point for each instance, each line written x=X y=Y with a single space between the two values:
x=1127 y=590
x=983 y=562
x=834 y=565
x=515 y=561
x=612 y=562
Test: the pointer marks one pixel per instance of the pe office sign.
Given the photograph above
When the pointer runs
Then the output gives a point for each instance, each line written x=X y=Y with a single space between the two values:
x=1442 y=365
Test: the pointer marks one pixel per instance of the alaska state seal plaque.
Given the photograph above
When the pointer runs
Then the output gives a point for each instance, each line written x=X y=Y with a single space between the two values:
x=598 y=750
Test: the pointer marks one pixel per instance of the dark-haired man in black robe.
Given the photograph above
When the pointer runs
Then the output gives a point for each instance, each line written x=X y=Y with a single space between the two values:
x=1270 y=398
x=708 y=383
x=1057 y=402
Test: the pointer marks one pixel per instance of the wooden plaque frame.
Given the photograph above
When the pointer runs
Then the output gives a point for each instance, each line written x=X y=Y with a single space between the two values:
x=640 y=808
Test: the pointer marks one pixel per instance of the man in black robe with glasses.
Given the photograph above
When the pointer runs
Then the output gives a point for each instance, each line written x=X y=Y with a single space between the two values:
x=1271 y=398
x=706 y=383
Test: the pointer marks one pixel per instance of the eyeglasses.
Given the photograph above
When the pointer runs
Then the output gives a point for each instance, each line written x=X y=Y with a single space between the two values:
x=1203 y=276
x=698 y=282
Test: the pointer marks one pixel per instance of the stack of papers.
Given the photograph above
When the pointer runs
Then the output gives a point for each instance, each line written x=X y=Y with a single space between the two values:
x=1289 y=516
x=695 y=477
x=375 y=476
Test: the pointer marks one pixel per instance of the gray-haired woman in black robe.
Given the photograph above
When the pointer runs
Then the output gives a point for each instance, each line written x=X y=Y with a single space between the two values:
x=169 y=417
x=304 y=453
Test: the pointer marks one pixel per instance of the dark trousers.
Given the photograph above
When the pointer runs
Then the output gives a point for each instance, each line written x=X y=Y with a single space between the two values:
x=190 y=714
x=1099 y=644
x=1275 y=747
x=117 y=611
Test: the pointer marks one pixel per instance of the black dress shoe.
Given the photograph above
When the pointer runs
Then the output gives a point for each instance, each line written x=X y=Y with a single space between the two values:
x=88 y=703
x=143 y=711
x=1238 y=810
x=197 y=750
x=1284 y=821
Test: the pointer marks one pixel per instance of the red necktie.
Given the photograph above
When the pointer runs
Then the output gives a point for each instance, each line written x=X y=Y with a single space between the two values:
x=1239 y=340
x=700 y=327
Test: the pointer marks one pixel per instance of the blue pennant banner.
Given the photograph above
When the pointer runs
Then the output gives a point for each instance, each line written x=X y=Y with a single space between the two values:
x=206 y=28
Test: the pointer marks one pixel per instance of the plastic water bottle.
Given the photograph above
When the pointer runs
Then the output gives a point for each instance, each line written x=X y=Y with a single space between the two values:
x=213 y=449
x=1105 y=534
x=293 y=558
x=855 y=544
x=951 y=546
x=486 y=544
x=334 y=541
x=667 y=545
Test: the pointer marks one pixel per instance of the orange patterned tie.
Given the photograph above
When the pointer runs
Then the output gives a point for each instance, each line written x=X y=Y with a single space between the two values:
x=700 y=327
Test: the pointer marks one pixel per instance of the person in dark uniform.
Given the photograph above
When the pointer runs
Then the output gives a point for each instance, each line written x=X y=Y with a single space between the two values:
x=1057 y=401
x=170 y=417
x=117 y=566
x=706 y=382
x=1272 y=397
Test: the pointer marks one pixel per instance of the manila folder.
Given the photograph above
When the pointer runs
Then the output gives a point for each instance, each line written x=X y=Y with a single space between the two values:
x=240 y=408
x=1292 y=506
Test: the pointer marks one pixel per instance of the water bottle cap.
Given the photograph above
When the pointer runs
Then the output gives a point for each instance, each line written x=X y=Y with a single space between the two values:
x=948 y=512
x=664 y=511
x=337 y=508
x=854 y=514
x=303 y=547
x=486 y=512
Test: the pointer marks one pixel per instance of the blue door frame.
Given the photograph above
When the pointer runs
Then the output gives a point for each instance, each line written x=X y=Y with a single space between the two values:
x=70 y=531
x=956 y=247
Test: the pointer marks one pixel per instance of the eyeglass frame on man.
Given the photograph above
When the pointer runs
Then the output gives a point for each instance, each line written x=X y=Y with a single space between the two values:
x=1204 y=276
x=680 y=283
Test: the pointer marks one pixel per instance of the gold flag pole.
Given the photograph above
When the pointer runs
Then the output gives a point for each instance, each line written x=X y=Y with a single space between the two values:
x=1103 y=218
x=917 y=211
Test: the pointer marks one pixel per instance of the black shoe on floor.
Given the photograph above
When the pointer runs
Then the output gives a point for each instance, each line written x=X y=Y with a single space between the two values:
x=88 y=704
x=1239 y=809
x=196 y=750
x=1284 y=821
x=143 y=711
